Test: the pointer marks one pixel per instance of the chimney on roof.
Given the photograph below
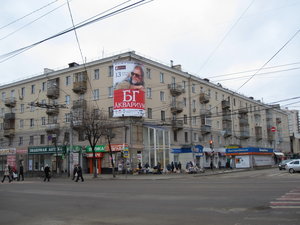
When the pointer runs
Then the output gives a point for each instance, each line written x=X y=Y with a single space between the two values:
x=73 y=64
x=47 y=70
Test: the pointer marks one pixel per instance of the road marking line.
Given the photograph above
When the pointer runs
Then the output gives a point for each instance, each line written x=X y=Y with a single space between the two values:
x=285 y=207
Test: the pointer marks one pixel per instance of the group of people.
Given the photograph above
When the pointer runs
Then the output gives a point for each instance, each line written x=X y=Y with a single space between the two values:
x=12 y=174
x=174 y=167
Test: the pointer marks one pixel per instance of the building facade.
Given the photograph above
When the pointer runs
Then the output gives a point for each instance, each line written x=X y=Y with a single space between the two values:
x=185 y=119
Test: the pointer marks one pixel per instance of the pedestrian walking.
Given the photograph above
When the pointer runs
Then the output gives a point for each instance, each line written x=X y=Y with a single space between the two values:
x=172 y=167
x=179 y=166
x=75 y=171
x=79 y=174
x=47 y=173
x=6 y=173
x=21 y=172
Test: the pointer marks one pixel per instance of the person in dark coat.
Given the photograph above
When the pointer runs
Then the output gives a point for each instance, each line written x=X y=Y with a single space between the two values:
x=47 y=173
x=75 y=172
x=21 y=172
x=79 y=174
x=172 y=166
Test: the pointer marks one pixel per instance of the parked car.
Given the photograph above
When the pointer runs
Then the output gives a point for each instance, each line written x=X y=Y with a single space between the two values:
x=282 y=164
x=293 y=166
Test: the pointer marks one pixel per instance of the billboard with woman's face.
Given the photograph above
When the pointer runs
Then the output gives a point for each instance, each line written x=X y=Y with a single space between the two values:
x=129 y=89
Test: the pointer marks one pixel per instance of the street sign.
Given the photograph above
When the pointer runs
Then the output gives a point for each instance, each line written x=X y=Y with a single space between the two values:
x=273 y=129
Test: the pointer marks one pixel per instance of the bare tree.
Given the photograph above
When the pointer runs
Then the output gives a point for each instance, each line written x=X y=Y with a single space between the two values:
x=93 y=124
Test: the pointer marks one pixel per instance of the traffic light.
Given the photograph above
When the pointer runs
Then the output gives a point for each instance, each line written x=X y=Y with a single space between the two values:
x=211 y=144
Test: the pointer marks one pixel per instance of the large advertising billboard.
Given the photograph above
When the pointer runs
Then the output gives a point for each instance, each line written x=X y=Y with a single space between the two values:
x=129 y=89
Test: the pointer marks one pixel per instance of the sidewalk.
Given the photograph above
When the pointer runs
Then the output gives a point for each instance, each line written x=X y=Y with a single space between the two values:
x=163 y=176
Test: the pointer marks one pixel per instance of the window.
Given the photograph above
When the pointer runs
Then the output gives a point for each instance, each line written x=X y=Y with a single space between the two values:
x=31 y=122
x=149 y=92
x=162 y=96
x=193 y=88
x=22 y=107
x=186 y=137
x=110 y=91
x=31 y=140
x=110 y=71
x=184 y=84
x=96 y=74
x=234 y=102
x=33 y=89
x=216 y=96
x=1 y=126
x=161 y=77
x=208 y=92
x=96 y=94
x=22 y=92
x=175 y=135
x=43 y=121
x=195 y=137
x=149 y=113
x=68 y=80
x=67 y=137
x=68 y=117
x=2 y=112
x=21 y=123
x=194 y=120
x=42 y=139
x=3 y=96
x=148 y=73
x=184 y=102
x=67 y=99
x=20 y=141
x=185 y=119
x=110 y=111
x=194 y=105
x=44 y=85
x=81 y=135
x=163 y=115
x=32 y=108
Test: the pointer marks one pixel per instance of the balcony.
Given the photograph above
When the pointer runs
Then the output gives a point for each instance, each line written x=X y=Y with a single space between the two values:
x=271 y=136
x=243 y=122
x=228 y=133
x=80 y=82
x=258 y=133
x=52 y=128
x=53 y=92
x=205 y=112
x=177 y=124
x=9 y=133
x=205 y=129
x=278 y=120
x=52 y=111
x=77 y=124
x=9 y=116
x=78 y=104
x=176 y=89
x=10 y=102
x=226 y=117
x=225 y=104
x=243 y=111
x=244 y=134
x=204 y=98
x=177 y=107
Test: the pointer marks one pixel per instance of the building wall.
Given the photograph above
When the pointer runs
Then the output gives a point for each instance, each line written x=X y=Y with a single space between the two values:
x=192 y=131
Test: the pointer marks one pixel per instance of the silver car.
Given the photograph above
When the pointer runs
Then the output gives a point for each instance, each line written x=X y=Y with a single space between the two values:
x=293 y=166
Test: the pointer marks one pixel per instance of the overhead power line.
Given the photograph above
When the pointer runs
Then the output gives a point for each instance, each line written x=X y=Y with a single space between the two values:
x=80 y=25
x=14 y=21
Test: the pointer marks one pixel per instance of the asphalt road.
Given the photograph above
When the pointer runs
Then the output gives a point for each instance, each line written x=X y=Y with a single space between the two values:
x=265 y=197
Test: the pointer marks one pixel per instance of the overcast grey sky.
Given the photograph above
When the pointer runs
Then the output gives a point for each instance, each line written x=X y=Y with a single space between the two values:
x=209 y=38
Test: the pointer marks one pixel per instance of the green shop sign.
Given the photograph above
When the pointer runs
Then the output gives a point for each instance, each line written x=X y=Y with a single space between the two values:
x=98 y=148
x=46 y=150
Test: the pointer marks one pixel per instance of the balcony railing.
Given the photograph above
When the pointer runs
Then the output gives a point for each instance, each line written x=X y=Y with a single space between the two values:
x=205 y=129
x=9 y=116
x=225 y=104
x=52 y=111
x=204 y=98
x=244 y=134
x=176 y=89
x=10 y=102
x=79 y=104
x=176 y=107
x=9 y=132
x=177 y=124
x=53 y=92
x=52 y=127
